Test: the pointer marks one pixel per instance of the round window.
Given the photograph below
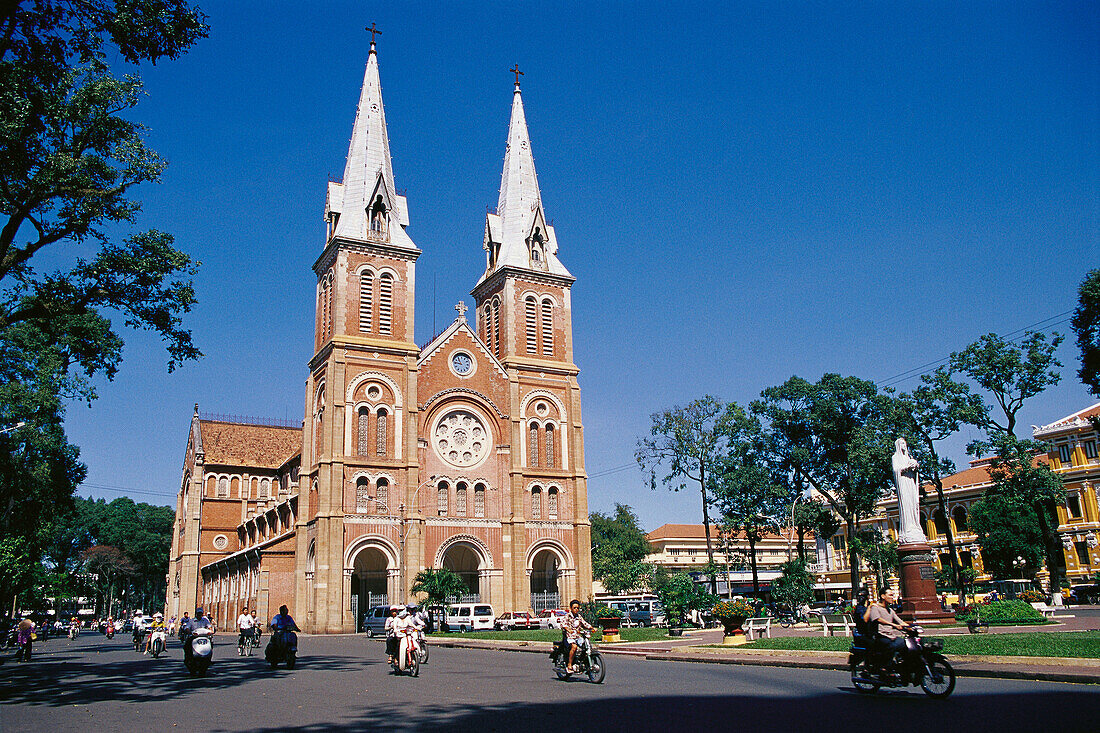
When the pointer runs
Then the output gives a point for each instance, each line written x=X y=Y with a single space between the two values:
x=461 y=438
x=221 y=542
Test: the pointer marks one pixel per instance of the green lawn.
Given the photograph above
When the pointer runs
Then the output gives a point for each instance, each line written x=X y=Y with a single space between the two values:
x=1080 y=644
x=636 y=634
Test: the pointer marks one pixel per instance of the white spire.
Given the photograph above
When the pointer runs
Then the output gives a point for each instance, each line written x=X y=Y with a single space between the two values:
x=368 y=173
x=513 y=233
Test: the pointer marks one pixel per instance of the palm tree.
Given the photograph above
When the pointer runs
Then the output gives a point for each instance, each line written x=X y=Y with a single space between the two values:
x=438 y=585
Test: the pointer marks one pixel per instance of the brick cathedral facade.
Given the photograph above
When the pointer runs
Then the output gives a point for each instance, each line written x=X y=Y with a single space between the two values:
x=467 y=454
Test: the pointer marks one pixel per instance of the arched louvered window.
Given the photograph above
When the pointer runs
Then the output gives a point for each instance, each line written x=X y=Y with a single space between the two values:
x=536 y=503
x=552 y=503
x=533 y=445
x=531 y=319
x=383 y=418
x=441 y=499
x=385 y=303
x=550 y=445
x=265 y=488
x=487 y=324
x=547 y=328
x=460 y=499
x=362 y=494
x=496 y=326
x=223 y=488
x=382 y=494
x=479 y=500
x=362 y=446
x=366 y=301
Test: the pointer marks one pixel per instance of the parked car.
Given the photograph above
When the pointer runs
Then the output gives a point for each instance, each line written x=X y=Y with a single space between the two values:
x=550 y=618
x=1084 y=594
x=470 y=617
x=512 y=620
x=374 y=620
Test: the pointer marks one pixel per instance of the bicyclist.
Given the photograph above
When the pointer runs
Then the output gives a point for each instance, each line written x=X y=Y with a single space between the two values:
x=246 y=627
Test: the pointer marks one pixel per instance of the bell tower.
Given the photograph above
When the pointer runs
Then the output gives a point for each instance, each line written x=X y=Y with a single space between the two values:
x=359 y=435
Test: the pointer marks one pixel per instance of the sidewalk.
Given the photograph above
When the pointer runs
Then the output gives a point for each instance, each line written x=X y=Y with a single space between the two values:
x=688 y=649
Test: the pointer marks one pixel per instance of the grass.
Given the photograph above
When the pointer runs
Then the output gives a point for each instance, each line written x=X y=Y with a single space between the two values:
x=636 y=634
x=1074 y=644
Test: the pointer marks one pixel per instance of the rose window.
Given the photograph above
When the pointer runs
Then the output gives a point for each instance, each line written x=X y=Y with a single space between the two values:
x=461 y=438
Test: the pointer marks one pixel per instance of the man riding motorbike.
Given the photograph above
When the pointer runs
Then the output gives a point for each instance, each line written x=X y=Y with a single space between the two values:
x=187 y=628
x=885 y=626
x=574 y=626
x=282 y=624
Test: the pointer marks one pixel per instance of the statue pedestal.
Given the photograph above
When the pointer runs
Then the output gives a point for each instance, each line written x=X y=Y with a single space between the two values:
x=919 y=602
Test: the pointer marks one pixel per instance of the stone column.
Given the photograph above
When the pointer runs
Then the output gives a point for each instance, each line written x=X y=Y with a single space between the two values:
x=919 y=602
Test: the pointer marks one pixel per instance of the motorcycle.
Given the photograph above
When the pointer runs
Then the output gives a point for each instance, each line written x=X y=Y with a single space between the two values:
x=421 y=646
x=158 y=642
x=202 y=652
x=139 y=639
x=73 y=631
x=587 y=658
x=110 y=632
x=283 y=647
x=408 y=655
x=919 y=664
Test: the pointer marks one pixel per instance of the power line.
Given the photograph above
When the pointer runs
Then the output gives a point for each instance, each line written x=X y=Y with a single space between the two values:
x=125 y=490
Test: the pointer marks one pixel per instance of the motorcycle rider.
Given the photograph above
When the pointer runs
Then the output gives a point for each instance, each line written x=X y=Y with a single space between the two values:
x=574 y=626
x=157 y=625
x=403 y=625
x=391 y=634
x=187 y=628
x=885 y=625
x=281 y=623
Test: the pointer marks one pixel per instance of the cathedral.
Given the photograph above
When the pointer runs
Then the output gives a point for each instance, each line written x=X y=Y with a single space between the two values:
x=466 y=454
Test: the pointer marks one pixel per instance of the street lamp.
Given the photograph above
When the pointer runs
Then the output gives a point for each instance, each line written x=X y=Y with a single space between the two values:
x=12 y=427
x=405 y=532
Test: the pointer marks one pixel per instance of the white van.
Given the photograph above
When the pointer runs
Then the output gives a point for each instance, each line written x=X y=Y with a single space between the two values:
x=470 y=617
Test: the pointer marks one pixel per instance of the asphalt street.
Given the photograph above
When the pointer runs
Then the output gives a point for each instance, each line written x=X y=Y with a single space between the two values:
x=92 y=684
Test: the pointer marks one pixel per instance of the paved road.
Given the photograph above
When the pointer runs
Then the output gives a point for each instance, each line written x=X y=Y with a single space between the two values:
x=342 y=683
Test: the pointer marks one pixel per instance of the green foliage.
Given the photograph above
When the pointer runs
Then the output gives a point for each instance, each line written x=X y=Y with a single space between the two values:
x=795 y=585
x=815 y=516
x=1001 y=612
x=437 y=585
x=680 y=595
x=618 y=547
x=1007 y=529
x=733 y=609
x=592 y=611
x=1071 y=644
x=1086 y=324
x=878 y=551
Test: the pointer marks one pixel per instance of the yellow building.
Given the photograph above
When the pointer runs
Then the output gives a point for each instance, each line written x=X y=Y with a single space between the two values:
x=1072 y=452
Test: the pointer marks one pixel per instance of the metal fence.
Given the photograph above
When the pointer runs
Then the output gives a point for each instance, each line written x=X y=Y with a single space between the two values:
x=543 y=601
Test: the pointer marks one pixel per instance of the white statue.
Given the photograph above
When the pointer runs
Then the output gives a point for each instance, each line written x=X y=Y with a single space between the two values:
x=905 y=481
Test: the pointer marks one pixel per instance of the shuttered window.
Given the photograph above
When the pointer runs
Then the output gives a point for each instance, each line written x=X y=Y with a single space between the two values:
x=366 y=301
x=531 y=318
x=533 y=446
x=547 y=328
x=385 y=303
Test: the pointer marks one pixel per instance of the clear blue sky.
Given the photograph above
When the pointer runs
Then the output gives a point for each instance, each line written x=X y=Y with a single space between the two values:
x=742 y=193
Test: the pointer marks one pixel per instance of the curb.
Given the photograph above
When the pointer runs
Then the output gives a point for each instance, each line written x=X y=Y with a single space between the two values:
x=814 y=660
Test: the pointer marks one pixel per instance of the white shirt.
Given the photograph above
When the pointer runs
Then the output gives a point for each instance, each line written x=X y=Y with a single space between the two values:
x=245 y=621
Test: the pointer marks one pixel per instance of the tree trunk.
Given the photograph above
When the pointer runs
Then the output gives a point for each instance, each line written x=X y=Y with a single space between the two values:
x=706 y=529
x=802 y=543
x=752 y=562
x=955 y=569
x=853 y=558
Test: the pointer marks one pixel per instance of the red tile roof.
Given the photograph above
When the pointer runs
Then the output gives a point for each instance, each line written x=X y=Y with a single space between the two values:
x=258 y=446
x=692 y=531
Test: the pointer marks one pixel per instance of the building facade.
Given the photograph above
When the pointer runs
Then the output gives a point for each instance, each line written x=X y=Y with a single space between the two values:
x=1072 y=452
x=466 y=454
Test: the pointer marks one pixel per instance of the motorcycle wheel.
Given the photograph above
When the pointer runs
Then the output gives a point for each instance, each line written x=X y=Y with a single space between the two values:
x=596 y=669
x=786 y=622
x=202 y=669
x=370 y=632
x=560 y=671
x=291 y=660
x=938 y=679
x=860 y=676
x=414 y=669
x=423 y=653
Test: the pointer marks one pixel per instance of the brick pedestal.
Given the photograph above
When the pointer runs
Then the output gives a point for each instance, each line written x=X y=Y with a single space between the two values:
x=919 y=602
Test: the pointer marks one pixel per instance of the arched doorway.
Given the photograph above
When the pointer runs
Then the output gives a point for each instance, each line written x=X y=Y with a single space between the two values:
x=465 y=561
x=369 y=581
x=545 y=574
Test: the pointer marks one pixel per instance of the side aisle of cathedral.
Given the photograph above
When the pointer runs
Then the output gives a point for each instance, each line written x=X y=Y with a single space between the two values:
x=467 y=454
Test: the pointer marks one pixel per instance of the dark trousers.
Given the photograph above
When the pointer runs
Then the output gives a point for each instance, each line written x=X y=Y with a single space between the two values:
x=392 y=646
x=24 y=653
x=885 y=649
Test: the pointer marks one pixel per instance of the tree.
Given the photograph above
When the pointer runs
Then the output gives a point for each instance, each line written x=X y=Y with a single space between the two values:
x=745 y=486
x=110 y=567
x=794 y=586
x=813 y=516
x=1009 y=535
x=685 y=442
x=1086 y=324
x=1010 y=374
x=680 y=595
x=70 y=158
x=618 y=547
x=437 y=585
x=933 y=412
x=879 y=552
x=834 y=436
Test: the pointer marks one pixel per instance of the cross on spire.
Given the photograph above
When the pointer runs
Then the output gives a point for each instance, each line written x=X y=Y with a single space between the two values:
x=373 y=30
x=461 y=308
x=515 y=70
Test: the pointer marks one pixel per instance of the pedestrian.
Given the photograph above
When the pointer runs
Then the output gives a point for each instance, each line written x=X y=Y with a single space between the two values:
x=25 y=639
x=943 y=601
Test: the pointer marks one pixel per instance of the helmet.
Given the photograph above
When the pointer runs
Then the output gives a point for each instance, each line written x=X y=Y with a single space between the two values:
x=158 y=615
x=403 y=612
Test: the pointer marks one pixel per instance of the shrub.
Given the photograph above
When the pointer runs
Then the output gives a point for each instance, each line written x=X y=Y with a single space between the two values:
x=1000 y=612
x=734 y=609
